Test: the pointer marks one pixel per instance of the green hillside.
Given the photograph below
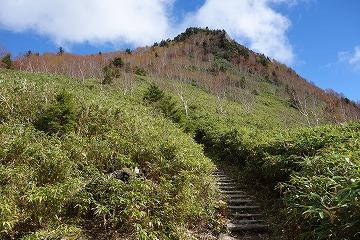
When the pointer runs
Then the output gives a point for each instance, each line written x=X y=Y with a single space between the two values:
x=174 y=110
x=53 y=172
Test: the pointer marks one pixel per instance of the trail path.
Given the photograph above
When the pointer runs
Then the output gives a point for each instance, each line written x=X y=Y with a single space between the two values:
x=245 y=220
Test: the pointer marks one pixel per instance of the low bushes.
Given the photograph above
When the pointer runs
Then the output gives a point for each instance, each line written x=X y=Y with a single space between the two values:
x=55 y=184
x=317 y=173
x=323 y=197
x=314 y=171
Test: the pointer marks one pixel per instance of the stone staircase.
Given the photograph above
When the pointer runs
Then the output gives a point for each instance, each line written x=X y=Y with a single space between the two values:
x=244 y=214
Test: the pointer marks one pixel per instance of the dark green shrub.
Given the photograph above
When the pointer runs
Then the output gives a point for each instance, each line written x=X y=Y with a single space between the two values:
x=139 y=71
x=243 y=52
x=263 y=60
x=118 y=62
x=153 y=94
x=61 y=51
x=128 y=51
x=170 y=110
x=112 y=70
x=7 y=62
x=108 y=76
x=166 y=105
x=60 y=116
x=164 y=43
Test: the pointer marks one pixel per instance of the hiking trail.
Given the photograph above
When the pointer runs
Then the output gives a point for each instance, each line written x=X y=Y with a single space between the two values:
x=245 y=220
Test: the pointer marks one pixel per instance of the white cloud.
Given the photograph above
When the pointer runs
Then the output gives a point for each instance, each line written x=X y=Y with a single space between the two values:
x=351 y=58
x=95 y=21
x=355 y=58
x=250 y=22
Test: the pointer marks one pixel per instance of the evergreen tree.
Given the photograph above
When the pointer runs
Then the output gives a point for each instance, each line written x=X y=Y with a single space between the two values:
x=153 y=94
x=61 y=51
x=108 y=75
x=169 y=109
x=7 y=62
x=165 y=104
x=112 y=70
x=118 y=62
x=59 y=117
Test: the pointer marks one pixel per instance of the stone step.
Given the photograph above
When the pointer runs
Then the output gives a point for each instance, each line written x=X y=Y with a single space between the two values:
x=237 y=196
x=225 y=179
x=225 y=187
x=248 y=221
x=246 y=227
x=239 y=201
x=234 y=207
x=245 y=215
x=219 y=175
x=226 y=183
x=231 y=192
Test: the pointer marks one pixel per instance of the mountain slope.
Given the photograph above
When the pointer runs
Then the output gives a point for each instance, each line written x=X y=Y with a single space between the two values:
x=60 y=143
x=246 y=110
x=211 y=61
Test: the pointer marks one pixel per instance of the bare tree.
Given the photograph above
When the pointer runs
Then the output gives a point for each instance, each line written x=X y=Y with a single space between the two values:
x=247 y=99
x=128 y=83
x=180 y=93
x=218 y=85
x=309 y=106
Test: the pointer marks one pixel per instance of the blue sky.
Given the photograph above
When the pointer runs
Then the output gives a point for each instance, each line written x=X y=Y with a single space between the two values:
x=320 y=39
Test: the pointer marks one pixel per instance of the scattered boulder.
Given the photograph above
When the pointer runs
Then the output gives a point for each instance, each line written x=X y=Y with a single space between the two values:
x=123 y=175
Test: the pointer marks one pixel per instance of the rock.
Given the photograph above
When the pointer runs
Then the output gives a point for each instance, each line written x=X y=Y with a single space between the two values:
x=123 y=175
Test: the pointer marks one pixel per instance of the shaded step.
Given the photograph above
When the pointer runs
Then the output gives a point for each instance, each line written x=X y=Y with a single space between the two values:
x=242 y=207
x=225 y=180
x=226 y=187
x=239 y=201
x=246 y=227
x=237 y=196
x=249 y=221
x=219 y=175
x=246 y=215
x=231 y=192
x=230 y=183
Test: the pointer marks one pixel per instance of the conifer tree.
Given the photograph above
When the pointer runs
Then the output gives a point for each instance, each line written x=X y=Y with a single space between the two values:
x=153 y=94
x=59 y=117
x=7 y=62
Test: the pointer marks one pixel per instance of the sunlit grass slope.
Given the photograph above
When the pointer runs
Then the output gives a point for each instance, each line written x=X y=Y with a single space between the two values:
x=59 y=140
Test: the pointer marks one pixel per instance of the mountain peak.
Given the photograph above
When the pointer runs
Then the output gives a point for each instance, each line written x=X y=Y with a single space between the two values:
x=196 y=30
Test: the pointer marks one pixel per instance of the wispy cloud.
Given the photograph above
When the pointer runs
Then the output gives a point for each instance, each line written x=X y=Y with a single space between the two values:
x=351 y=59
x=253 y=23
